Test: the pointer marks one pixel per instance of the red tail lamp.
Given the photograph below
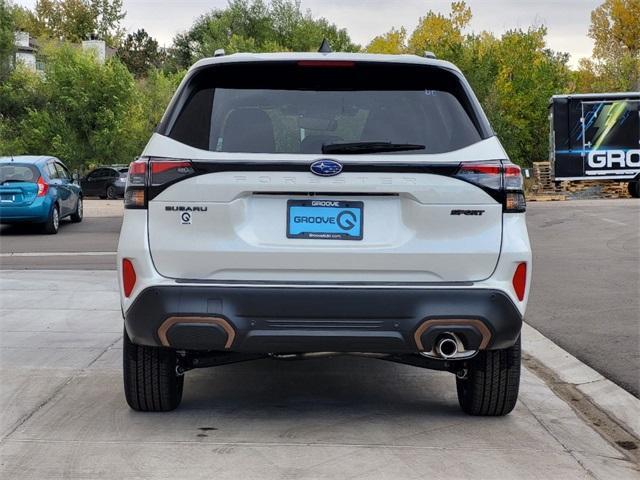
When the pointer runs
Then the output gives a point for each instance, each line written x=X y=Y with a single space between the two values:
x=128 y=277
x=520 y=280
x=42 y=187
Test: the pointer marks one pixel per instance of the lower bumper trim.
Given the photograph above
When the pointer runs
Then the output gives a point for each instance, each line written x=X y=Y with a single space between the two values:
x=283 y=320
x=177 y=321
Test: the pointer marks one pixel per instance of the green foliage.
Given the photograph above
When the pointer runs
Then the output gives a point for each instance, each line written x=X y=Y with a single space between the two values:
x=140 y=53
x=256 y=26
x=517 y=102
x=393 y=42
x=441 y=34
x=7 y=27
x=615 y=29
x=74 y=20
x=82 y=111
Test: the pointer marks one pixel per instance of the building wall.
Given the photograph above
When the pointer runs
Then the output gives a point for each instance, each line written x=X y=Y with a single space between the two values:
x=21 y=39
x=28 y=59
x=98 y=46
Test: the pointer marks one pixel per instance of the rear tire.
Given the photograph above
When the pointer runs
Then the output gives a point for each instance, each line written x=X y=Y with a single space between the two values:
x=492 y=382
x=150 y=380
x=51 y=226
x=76 y=217
x=111 y=192
x=634 y=188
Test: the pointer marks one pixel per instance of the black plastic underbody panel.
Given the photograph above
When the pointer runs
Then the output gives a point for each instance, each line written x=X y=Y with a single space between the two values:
x=281 y=319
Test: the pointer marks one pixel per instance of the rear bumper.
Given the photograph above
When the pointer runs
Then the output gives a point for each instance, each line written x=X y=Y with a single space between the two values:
x=311 y=319
x=37 y=211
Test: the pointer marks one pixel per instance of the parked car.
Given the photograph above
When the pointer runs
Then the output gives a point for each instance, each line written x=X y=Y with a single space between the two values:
x=294 y=204
x=38 y=190
x=105 y=182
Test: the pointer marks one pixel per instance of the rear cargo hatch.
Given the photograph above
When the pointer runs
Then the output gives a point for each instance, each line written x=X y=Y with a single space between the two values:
x=250 y=207
x=415 y=228
x=18 y=184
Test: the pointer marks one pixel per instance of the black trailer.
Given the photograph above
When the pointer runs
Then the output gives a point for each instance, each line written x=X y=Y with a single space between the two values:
x=596 y=136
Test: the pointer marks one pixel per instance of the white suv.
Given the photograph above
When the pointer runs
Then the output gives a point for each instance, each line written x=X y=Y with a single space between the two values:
x=294 y=204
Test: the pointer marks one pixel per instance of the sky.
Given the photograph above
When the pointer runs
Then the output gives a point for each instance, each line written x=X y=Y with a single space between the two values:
x=567 y=21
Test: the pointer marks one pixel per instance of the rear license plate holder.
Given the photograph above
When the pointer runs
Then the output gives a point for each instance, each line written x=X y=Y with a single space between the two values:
x=325 y=219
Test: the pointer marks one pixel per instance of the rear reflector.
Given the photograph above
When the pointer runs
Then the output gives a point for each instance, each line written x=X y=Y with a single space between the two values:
x=42 y=187
x=128 y=277
x=515 y=202
x=520 y=280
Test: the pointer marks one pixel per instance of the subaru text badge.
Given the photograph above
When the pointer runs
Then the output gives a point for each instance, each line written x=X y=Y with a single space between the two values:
x=326 y=168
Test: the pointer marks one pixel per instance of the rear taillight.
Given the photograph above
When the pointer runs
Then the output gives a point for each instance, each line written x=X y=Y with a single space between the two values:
x=149 y=176
x=43 y=187
x=503 y=181
x=520 y=280
x=168 y=171
x=487 y=175
x=128 y=277
x=135 y=193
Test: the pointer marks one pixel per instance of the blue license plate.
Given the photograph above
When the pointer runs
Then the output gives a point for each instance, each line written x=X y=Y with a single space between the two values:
x=325 y=219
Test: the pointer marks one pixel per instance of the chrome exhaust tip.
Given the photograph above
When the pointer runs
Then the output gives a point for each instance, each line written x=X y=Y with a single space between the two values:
x=447 y=346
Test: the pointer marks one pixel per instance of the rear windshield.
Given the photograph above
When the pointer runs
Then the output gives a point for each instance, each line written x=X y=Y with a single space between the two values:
x=289 y=108
x=16 y=172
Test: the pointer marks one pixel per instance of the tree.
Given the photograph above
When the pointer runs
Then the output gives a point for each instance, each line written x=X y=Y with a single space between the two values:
x=528 y=74
x=393 y=42
x=108 y=16
x=7 y=28
x=74 y=20
x=615 y=29
x=441 y=34
x=140 y=53
x=81 y=111
x=256 y=26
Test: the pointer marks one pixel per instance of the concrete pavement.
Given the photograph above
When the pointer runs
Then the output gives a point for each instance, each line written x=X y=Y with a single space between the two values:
x=64 y=414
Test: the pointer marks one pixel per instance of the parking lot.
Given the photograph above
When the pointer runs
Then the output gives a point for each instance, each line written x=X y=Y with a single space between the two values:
x=64 y=415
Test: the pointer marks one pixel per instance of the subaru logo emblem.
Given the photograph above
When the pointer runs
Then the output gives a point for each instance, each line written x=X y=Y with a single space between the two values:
x=326 y=168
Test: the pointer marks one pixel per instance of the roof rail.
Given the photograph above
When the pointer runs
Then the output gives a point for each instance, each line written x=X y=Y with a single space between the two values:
x=219 y=52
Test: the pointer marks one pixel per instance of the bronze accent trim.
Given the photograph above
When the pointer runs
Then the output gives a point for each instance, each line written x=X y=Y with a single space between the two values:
x=482 y=328
x=171 y=321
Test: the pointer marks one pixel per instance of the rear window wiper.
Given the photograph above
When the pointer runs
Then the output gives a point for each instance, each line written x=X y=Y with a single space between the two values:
x=370 y=147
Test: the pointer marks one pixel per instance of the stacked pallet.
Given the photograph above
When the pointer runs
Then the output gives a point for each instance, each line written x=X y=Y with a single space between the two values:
x=597 y=188
x=544 y=186
x=542 y=178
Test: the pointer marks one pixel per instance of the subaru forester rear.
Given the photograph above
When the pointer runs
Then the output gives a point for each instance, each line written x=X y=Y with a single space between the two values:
x=304 y=204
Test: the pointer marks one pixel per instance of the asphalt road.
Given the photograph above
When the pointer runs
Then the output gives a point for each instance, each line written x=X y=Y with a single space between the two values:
x=97 y=235
x=586 y=282
x=586 y=275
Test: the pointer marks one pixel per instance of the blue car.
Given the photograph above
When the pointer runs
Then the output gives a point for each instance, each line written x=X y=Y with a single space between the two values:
x=38 y=189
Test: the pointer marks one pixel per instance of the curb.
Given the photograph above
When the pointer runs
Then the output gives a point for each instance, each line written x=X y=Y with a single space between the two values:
x=603 y=393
